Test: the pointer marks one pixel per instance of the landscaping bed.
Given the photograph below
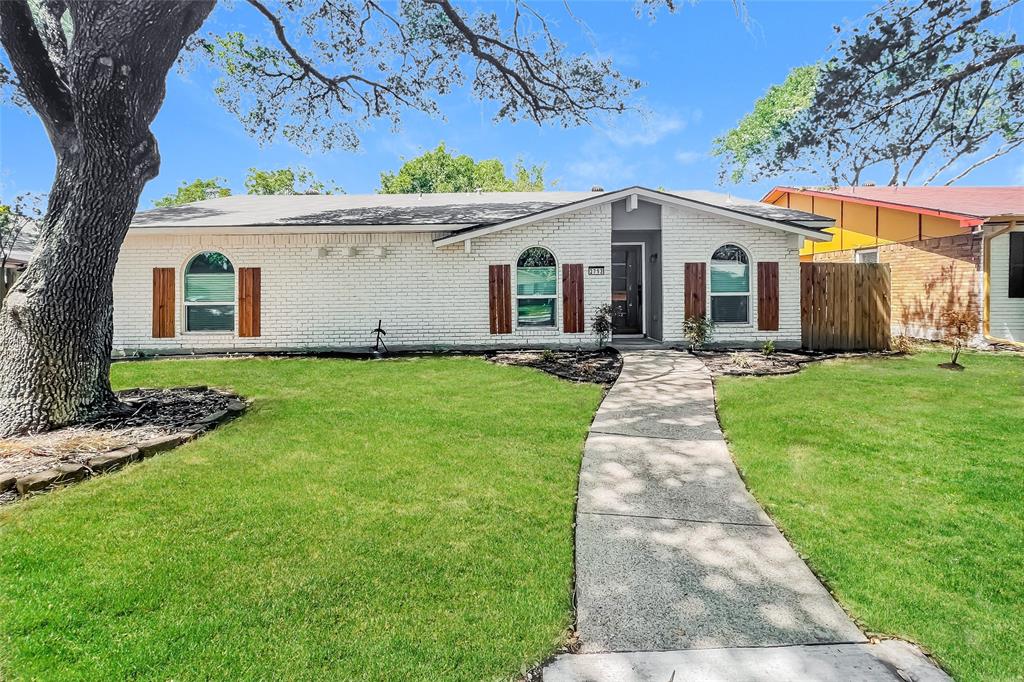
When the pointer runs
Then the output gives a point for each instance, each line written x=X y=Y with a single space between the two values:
x=592 y=366
x=143 y=422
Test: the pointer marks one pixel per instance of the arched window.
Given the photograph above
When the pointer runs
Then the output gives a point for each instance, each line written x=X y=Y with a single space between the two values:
x=210 y=293
x=730 y=285
x=536 y=288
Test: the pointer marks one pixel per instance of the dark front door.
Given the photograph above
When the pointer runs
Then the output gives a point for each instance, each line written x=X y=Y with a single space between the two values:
x=627 y=289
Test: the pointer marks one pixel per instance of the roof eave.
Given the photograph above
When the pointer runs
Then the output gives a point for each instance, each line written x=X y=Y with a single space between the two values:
x=650 y=194
x=137 y=230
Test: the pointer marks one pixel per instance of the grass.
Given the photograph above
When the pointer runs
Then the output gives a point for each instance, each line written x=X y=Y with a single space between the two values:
x=903 y=484
x=406 y=520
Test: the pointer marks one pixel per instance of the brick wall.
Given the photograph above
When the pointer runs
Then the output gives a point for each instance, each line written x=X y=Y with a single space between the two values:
x=427 y=297
x=691 y=236
x=929 y=277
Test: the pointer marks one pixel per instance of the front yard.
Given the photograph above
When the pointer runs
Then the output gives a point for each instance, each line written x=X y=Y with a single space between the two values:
x=404 y=520
x=903 y=484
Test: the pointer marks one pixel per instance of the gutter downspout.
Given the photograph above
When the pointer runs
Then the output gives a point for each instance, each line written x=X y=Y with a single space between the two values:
x=986 y=241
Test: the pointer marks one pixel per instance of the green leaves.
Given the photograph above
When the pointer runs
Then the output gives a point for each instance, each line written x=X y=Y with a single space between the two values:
x=440 y=171
x=287 y=181
x=761 y=128
x=197 y=190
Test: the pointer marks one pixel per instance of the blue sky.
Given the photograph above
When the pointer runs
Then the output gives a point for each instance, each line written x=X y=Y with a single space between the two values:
x=702 y=67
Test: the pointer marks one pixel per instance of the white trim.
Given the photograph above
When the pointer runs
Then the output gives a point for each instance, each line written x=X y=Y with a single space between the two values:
x=643 y=276
x=556 y=298
x=185 y=331
x=748 y=293
x=858 y=253
x=651 y=195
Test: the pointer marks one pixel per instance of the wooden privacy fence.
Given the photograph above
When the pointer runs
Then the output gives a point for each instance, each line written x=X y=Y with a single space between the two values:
x=845 y=306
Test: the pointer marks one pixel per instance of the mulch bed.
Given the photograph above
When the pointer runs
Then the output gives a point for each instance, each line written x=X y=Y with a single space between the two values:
x=142 y=415
x=592 y=366
x=745 y=362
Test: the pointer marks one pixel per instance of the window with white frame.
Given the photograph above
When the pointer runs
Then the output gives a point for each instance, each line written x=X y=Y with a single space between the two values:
x=210 y=293
x=866 y=256
x=730 y=285
x=536 y=288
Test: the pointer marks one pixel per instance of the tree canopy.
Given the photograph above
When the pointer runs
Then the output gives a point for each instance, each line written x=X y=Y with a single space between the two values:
x=197 y=190
x=287 y=181
x=924 y=91
x=438 y=170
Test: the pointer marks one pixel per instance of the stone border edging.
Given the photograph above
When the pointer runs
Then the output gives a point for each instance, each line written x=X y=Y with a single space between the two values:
x=112 y=460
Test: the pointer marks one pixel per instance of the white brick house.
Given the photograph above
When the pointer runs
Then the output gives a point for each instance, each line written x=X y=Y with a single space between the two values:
x=314 y=273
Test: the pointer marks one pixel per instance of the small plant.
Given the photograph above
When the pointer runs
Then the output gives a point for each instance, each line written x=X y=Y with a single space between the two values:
x=601 y=325
x=698 y=331
x=903 y=345
x=768 y=348
x=741 y=360
x=548 y=355
x=958 y=326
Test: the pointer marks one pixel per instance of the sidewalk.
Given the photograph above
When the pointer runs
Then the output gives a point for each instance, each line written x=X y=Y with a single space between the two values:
x=673 y=555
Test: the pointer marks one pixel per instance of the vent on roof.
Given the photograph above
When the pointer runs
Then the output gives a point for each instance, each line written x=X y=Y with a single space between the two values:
x=597 y=188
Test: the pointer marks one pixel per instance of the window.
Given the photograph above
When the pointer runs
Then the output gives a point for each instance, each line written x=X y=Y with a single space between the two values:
x=210 y=294
x=536 y=288
x=730 y=285
x=1016 y=284
x=866 y=256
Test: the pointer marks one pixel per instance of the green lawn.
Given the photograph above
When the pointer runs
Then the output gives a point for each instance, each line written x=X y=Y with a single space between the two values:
x=403 y=520
x=903 y=484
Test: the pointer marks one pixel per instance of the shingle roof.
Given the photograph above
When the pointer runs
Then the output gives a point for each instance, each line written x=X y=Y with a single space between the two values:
x=978 y=202
x=23 y=245
x=432 y=211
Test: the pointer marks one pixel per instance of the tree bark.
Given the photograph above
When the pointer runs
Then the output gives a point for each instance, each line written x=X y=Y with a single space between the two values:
x=97 y=104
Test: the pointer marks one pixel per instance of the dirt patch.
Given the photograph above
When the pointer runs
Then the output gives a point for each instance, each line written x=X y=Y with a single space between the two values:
x=744 y=362
x=592 y=366
x=142 y=415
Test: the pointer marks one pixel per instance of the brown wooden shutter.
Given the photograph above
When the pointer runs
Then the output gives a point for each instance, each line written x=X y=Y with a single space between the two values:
x=500 y=293
x=768 y=296
x=572 y=299
x=163 y=303
x=1016 y=284
x=695 y=290
x=249 y=301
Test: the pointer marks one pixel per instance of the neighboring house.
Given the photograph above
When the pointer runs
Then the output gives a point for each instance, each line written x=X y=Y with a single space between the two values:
x=17 y=259
x=948 y=248
x=478 y=270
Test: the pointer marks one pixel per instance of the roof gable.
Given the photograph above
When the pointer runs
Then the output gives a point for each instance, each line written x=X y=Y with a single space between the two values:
x=764 y=215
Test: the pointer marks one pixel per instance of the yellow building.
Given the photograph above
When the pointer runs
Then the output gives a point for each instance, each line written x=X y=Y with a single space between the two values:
x=948 y=248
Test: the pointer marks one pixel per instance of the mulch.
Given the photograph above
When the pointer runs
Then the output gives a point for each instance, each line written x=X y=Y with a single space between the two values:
x=140 y=415
x=582 y=366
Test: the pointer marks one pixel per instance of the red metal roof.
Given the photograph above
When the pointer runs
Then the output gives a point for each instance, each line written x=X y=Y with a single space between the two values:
x=978 y=202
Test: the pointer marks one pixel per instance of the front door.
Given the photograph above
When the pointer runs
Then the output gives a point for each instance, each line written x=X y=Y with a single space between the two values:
x=627 y=289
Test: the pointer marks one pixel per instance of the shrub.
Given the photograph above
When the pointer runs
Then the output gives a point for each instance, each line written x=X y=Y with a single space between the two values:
x=601 y=326
x=548 y=355
x=768 y=347
x=958 y=326
x=698 y=331
x=902 y=344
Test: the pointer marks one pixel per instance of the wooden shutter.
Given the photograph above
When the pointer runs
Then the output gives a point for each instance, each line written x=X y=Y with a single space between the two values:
x=500 y=294
x=572 y=299
x=1016 y=265
x=163 y=303
x=249 y=301
x=695 y=284
x=768 y=296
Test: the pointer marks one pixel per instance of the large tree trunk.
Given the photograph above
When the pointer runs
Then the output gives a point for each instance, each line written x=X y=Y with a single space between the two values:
x=97 y=98
x=56 y=324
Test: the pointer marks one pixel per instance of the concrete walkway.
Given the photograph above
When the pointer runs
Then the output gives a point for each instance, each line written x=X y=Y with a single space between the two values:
x=679 y=573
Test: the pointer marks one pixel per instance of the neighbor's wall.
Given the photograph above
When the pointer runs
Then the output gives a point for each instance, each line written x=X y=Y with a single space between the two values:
x=929 y=278
x=1006 y=315
x=691 y=236
x=426 y=297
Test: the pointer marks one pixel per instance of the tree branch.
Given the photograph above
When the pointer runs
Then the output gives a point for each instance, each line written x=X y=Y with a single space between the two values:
x=40 y=83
